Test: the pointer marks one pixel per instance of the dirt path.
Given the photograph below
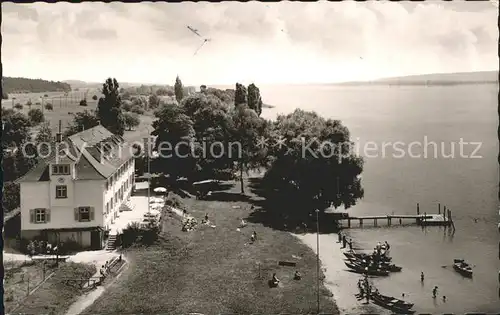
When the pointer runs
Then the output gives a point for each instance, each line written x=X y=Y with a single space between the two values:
x=89 y=298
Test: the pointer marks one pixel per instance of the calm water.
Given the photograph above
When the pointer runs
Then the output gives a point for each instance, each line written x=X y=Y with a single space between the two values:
x=467 y=186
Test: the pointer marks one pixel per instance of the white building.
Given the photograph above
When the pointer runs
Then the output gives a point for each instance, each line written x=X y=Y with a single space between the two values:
x=78 y=196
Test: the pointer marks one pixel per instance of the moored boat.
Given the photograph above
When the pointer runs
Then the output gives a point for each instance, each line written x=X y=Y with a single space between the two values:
x=393 y=304
x=365 y=270
x=382 y=265
x=367 y=256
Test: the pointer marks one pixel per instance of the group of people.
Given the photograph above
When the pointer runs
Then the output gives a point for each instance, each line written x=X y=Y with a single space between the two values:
x=365 y=289
x=275 y=281
x=378 y=249
x=344 y=241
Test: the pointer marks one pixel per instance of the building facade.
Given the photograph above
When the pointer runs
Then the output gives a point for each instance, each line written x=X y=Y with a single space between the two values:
x=76 y=194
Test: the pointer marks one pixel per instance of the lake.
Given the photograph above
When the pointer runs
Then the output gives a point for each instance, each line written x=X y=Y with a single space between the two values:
x=465 y=183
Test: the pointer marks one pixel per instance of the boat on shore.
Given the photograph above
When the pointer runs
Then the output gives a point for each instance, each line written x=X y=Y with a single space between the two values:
x=365 y=270
x=362 y=256
x=396 y=305
x=462 y=268
x=381 y=265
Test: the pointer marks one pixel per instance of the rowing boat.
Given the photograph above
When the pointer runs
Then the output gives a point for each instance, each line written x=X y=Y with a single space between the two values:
x=382 y=265
x=367 y=256
x=393 y=304
x=462 y=268
x=365 y=270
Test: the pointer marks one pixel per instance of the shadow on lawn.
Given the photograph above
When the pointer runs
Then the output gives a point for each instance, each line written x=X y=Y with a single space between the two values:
x=280 y=215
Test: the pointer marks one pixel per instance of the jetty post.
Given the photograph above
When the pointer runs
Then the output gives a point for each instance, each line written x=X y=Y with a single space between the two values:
x=361 y=222
x=439 y=208
x=418 y=209
x=425 y=216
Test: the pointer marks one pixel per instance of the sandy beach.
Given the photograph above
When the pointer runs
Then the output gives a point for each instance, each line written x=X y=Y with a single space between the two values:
x=341 y=283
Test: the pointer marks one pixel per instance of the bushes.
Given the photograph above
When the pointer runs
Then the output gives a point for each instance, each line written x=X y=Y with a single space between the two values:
x=29 y=103
x=36 y=116
x=49 y=106
x=18 y=106
x=42 y=247
x=134 y=234
x=174 y=202
x=137 y=109
x=83 y=102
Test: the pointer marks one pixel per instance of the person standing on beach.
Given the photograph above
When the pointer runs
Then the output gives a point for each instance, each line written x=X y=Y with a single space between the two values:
x=350 y=243
x=344 y=241
x=340 y=237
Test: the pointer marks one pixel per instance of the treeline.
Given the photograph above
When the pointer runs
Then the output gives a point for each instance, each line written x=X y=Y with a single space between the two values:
x=24 y=85
x=220 y=134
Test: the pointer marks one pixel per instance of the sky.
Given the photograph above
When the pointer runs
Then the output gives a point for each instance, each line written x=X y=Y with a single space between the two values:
x=274 y=43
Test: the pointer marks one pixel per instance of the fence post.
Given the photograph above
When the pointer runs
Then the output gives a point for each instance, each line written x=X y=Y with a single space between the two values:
x=28 y=291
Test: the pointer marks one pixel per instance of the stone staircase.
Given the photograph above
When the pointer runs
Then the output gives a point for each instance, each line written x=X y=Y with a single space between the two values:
x=111 y=243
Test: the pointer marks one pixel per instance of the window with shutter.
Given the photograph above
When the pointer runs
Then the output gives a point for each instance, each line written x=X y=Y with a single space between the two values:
x=84 y=214
x=40 y=216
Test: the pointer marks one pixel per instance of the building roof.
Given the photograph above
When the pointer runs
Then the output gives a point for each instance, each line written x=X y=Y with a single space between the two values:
x=98 y=154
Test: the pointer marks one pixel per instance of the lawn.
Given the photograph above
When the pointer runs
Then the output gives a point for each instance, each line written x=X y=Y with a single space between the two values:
x=216 y=270
x=55 y=296
x=64 y=108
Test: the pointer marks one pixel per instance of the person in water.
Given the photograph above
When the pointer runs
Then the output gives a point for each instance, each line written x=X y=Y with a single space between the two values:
x=434 y=292
x=387 y=246
x=421 y=276
x=444 y=298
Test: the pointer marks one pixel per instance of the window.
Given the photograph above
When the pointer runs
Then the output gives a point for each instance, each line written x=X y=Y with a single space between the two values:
x=40 y=215
x=107 y=185
x=61 y=192
x=111 y=206
x=84 y=214
x=116 y=196
x=107 y=207
x=60 y=169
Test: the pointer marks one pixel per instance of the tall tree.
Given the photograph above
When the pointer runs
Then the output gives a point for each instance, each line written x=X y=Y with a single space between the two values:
x=314 y=166
x=179 y=90
x=240 y=96
x=109 y=109
x=254 y=99
x=15 y=129
x=81 y=121
x=175 y=135
x=248 y=128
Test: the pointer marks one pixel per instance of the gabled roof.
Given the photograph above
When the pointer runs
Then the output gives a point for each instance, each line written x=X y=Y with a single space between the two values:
x=90 y=150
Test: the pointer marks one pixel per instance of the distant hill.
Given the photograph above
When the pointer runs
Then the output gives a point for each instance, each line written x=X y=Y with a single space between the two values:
x=482 y=77
x=25 y=85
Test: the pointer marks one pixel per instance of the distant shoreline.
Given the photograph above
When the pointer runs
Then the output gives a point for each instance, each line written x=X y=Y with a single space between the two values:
x=416 y=83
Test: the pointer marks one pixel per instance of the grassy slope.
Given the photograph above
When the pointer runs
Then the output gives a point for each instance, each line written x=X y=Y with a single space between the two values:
x=215 y=271
x=54 y=296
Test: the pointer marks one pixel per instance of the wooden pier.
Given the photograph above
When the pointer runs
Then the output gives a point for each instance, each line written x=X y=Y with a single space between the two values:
x=425 y=219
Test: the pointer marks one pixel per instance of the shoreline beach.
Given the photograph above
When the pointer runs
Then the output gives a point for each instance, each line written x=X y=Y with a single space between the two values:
x=341 y=283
